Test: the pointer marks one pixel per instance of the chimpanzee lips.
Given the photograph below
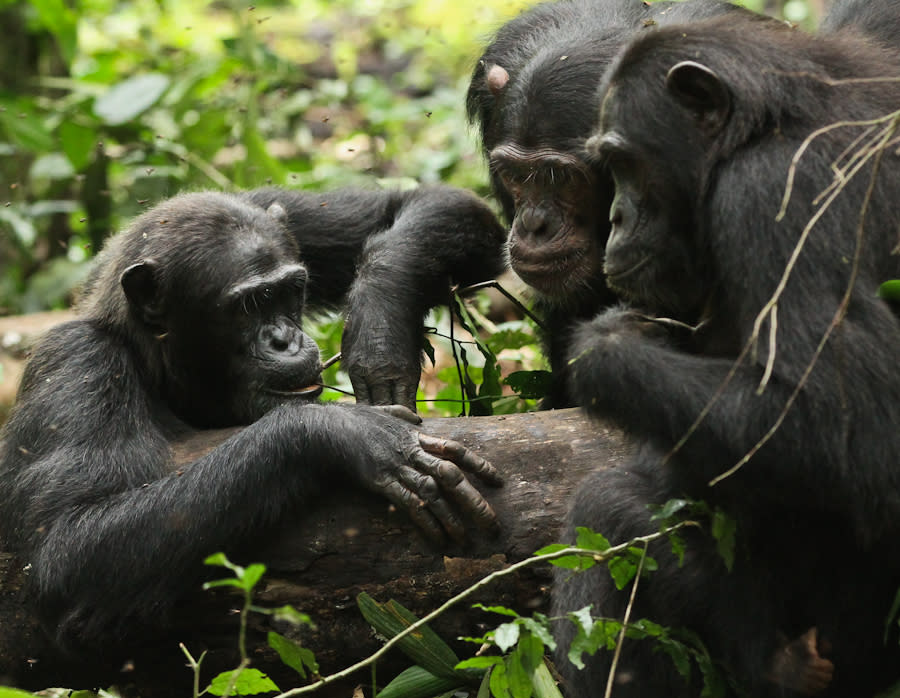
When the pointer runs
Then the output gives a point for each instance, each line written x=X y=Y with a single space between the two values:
x=305 y=391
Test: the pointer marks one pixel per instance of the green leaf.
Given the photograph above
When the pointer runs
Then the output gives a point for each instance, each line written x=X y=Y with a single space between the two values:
x=517 y=676
x=415 y=682
x=499 y=683
x=291 y=615
x=724 y=528
x=669 y=509
x=78 y=143
x=218 y=559
x=622 y=571
x=590 y=540
x=130 y=98
x=62 y=22
x=24 y=126
x=252 y=574
x=249 y=682
x=485 y=662
x=530 y=385
x=552 y=548
x=215 y=583
x=531 y=651
x=539 y=626
x=506 y=635
x=14 y=693
x=890 y=290
x=296 y=656
x=544 y=684
x=423 y=646
x=502 y=610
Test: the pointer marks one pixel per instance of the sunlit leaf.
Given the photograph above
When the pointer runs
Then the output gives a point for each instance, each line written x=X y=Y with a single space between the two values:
x=131 y=98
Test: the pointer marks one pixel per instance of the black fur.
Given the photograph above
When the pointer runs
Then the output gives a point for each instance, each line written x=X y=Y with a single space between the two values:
x=698 y=126
x=191 y=319
x=533 y=130
x=878 y=19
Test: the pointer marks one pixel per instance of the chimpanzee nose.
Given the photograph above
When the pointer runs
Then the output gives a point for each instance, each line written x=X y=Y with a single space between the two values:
x=282 y=338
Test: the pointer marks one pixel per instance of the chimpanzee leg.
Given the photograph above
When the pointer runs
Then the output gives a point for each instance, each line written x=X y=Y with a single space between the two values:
x=732 y=612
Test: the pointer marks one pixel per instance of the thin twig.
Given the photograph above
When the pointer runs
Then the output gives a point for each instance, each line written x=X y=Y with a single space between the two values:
x=840 y=313
x=620 y=641
x=480 y=584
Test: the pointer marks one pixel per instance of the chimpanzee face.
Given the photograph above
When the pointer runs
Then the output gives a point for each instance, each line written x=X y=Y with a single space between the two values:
x=226 y=313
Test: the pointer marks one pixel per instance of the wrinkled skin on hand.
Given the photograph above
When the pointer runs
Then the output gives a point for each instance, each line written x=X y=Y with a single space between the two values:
x=421 y=474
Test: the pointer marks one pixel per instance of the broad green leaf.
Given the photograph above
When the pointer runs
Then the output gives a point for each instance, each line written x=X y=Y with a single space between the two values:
x=531 y=651
x=544 y=684
x=517 y=676
x=591 y=540
x=890 y=290
x=539 y=626
x=506 y=635
x=130 y=98
x=249 y=682
x=24 y=126
x=252 y=574
x=296 y=656
x=415 y=682
x=78 y=143
x=622 y=571
x=424 y=646
x=52 y=166
x=499 y=682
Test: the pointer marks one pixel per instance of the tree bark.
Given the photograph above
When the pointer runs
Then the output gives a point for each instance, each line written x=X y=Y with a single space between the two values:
x=350 y=543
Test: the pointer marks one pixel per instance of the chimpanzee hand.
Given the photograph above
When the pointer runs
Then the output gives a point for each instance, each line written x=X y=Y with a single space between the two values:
x=382 y=357
x=418 y=473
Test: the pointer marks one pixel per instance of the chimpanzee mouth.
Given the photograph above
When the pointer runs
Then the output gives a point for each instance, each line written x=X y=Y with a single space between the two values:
x=617 y=274
x=306 y=392
x=549 y=272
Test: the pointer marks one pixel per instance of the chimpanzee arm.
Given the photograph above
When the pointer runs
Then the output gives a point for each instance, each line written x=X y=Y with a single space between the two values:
x=113 y=536
x=623 y=368
x=396 y=252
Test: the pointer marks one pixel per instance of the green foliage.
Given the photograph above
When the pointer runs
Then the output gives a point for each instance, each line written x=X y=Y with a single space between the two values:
x=138 y=100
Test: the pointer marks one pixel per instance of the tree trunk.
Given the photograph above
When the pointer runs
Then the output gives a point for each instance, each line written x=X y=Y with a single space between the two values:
x=353 y=542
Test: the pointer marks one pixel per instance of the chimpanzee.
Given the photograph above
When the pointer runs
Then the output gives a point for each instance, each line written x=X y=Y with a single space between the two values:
x=755 y=363
x=533 y=97
x=191 y=319
x=879 y=19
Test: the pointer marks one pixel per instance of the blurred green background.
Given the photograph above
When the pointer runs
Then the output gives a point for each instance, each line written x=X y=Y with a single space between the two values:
x=108 y=106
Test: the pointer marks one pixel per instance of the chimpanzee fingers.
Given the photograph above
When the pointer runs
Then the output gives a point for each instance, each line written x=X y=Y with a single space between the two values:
x=426 y=488
x=463 y=457
x=406 y=499
x=401 y=412
x=453 y=481
x=405 y=393
x=361 y=391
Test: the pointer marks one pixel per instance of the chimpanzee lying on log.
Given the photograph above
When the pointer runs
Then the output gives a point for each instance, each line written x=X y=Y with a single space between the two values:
x=192 y=319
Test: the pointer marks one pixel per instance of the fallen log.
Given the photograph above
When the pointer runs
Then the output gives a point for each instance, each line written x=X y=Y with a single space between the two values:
x=352 y=542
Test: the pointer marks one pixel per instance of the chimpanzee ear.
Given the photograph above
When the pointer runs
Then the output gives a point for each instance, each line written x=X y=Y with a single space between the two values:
x=699 y=88
x=142 y=290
